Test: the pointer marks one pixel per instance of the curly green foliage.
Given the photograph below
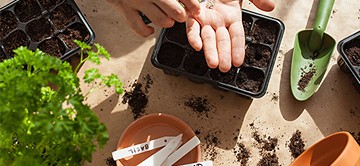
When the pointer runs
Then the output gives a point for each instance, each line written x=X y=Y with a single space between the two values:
x=43 y=118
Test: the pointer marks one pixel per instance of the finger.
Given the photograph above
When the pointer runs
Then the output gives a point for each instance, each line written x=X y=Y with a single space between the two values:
x=135 y=22
x=209 y=42
x=237 y=36
x=224 y=49
x=173 y=9
x=157 y=16
x=265 y=5
x=193 y=33
x=193 y=6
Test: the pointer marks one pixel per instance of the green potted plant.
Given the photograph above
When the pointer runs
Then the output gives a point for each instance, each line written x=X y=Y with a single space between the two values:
x=43 y=117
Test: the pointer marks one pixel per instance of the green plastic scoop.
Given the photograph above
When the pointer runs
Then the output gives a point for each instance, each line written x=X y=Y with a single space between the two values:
x=311 y=54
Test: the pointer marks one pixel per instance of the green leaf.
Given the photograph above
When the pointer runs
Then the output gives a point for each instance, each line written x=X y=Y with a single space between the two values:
x=82 y=45
x=102 y=51
x=113 y=80
x=93 y=57
x=91 y=75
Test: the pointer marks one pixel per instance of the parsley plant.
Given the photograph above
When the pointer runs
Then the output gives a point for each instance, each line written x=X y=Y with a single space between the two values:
x=43 y=117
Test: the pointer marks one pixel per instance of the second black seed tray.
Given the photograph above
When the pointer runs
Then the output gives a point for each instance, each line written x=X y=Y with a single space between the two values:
x=349 y=49
x=50 y=25
x=174 y=55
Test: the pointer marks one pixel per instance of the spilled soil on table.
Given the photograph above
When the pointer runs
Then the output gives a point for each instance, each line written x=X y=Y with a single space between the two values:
x=267 y=146
x=268 y=159
x=266 y=143
x=137 y=98
x=110 y=161
x=242 y=153
x=211 y=143
x=296 y=145
x=200 y=105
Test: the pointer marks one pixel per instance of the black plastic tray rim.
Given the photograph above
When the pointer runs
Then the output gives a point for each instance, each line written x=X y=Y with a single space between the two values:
x=80 y=16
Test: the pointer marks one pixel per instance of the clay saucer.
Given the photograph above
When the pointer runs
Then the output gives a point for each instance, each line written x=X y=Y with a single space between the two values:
x=151 y=127
x=338 y=149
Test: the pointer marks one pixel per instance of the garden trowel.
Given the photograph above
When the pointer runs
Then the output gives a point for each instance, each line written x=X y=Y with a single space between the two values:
x=311 y=55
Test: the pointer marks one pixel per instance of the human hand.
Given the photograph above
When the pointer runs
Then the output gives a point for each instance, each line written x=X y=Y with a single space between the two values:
x=163 y=13
x=218 y=30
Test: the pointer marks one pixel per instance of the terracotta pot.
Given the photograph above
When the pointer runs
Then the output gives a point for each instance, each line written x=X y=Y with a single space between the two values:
x=338 y=149
x=154 y=126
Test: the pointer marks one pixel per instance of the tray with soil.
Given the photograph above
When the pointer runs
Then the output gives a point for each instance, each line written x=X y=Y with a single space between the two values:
x=48 y=25
x=349 y=60
x=174 y=55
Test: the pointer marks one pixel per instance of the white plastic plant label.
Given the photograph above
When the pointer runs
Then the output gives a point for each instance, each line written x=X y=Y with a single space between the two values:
x=160 y=156
x=204 y=163
x=182 y=151
x=140 y=148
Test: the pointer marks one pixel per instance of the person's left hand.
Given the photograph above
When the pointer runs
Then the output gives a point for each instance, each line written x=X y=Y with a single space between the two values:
x=222 y=35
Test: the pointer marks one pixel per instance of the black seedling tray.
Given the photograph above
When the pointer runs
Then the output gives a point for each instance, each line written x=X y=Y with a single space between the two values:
x=174 y=55
x=50 y=25
x=349 y=50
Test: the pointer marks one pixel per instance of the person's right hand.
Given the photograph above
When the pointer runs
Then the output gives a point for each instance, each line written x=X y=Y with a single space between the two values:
x=218 y=30
x=163 y=13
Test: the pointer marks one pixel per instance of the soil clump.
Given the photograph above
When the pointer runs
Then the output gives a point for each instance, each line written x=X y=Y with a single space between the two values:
x=305 y=79
x=267 y=146
x=296 y=144
x=136 y=98
x=200 y=105
x=110 y=161
x=242 y=154
x=211 y=142
x=269 y=160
